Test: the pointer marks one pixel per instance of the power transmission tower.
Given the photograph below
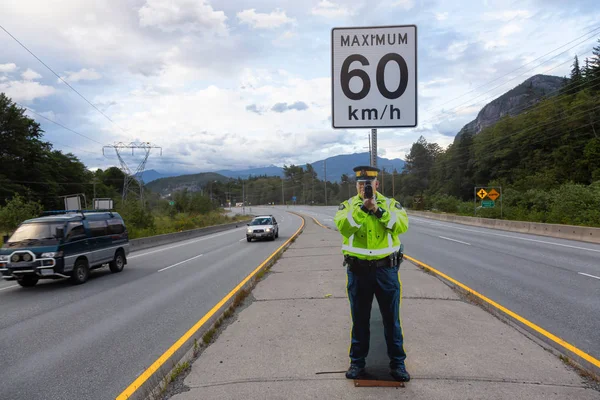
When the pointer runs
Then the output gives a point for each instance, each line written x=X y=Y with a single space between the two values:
x=131 y=175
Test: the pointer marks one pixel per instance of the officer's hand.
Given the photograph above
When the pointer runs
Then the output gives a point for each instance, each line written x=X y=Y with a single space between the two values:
x=370 y=204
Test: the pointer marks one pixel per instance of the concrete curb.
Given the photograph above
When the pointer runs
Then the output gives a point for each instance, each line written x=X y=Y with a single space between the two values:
x=158 y=240
x=151 y=388
x=569 y=232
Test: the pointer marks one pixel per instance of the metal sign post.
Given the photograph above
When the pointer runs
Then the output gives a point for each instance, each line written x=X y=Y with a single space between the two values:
x=374 y=147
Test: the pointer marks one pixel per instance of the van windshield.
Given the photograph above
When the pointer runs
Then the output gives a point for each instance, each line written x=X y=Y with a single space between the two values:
x=38 y=233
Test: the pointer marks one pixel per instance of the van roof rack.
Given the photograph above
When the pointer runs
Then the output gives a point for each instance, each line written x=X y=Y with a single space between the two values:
x=82 y=212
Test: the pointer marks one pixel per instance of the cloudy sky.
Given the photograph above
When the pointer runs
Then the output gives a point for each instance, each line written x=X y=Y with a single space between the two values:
x=230 y=84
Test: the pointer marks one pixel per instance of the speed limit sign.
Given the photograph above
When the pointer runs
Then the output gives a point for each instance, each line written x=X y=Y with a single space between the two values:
x=374 y=77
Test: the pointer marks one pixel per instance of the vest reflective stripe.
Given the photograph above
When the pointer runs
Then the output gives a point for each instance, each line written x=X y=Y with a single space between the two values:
x=351 y=240
x=390 y=240
x=351 y=218
x=367 y=252
x=394 y=216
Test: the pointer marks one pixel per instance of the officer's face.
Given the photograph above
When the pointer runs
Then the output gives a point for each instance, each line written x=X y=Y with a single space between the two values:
x=360 y=187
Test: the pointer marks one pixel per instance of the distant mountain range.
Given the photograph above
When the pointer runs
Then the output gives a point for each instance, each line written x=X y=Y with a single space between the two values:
x=336 y=166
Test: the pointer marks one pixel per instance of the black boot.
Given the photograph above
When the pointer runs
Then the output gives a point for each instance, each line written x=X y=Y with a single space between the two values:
x=400 y=374
x=354 y=372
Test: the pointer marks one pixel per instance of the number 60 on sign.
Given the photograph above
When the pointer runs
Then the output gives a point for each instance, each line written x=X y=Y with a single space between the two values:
x=374 y=77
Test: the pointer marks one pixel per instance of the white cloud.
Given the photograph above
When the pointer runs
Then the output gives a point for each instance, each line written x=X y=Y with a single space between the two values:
x=328 y=9
x=182 y=15
x=507 y=15
x=83 y=74
x=441 y=16
x=10 y=67
x=456 y=49
x=404 y=4
x=30 y=75
x=492 y=44
x=275 y=19
x=26 y=91
x=509 y=29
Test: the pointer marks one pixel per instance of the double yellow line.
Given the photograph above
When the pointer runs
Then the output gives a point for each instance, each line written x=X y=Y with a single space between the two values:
x=135 y=385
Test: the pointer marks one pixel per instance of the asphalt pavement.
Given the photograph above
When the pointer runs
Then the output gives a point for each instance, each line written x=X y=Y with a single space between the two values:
x=59 y=341
x=290 y=341
x=553 y=283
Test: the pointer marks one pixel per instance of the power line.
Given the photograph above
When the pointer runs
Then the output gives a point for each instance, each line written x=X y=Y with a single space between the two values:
x=494 y=141
x=71 y=147
x=59 y=77
x=516 y=69
x=59 y=124
x=496 y=87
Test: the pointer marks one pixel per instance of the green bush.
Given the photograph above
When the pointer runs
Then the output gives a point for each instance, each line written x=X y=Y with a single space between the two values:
x=445 y=203
x=16 y=211
x=576 y=204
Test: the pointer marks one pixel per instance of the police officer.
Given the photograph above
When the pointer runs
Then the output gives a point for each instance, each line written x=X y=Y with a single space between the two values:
x=370 y=224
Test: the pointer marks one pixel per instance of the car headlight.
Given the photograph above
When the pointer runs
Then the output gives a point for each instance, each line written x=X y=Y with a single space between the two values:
x=52 y=254
x=4 y=258
x=268 y=229
x=249 y=230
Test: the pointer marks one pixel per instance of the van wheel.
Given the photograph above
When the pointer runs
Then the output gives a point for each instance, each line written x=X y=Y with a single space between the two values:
x=28 y=281
x=81 y=272
x=118 y=263
x=248 y=239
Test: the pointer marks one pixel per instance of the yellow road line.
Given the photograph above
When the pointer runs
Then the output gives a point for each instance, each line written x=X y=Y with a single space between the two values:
x=505 y=310
x=186 y=336
x=318 y=223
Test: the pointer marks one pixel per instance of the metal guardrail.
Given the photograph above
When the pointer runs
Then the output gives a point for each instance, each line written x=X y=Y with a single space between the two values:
x=158 y=240
x=569 y=232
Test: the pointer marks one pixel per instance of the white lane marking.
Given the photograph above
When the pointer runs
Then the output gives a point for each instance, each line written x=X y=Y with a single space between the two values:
x=179 y=263
x=241 y=240
x=8 y=287
x=512 y=237
x=591 y=276
x=185 y=244
x=454 y=240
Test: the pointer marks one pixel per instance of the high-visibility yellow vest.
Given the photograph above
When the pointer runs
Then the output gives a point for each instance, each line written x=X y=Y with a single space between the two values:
x=366 y=236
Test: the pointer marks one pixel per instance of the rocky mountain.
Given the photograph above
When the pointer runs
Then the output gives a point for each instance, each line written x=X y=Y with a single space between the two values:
x=514 y=101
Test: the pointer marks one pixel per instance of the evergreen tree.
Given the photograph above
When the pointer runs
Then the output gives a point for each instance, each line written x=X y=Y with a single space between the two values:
x=576 y=78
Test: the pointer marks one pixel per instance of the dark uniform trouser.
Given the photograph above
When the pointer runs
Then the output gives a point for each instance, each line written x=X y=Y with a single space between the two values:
x=384 y=283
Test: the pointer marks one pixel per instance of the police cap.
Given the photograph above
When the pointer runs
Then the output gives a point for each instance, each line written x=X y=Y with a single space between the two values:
x=365 y=173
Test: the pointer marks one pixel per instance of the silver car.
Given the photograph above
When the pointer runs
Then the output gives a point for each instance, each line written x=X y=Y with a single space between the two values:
x=262 y=227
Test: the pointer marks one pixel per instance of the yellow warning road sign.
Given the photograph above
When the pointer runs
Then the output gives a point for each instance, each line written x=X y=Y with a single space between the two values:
x=482 y=193
x=493 y=194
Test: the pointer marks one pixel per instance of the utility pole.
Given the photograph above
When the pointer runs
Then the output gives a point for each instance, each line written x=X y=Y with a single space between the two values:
x=243 y=197
x=94 y=182
x=282 y=195
x=325 y=166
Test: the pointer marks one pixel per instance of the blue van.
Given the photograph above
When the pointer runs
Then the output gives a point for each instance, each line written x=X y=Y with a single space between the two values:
x=66 y=244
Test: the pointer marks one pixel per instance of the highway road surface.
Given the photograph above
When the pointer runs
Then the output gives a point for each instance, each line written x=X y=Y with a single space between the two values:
x=59 y=341
x=553 y=283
